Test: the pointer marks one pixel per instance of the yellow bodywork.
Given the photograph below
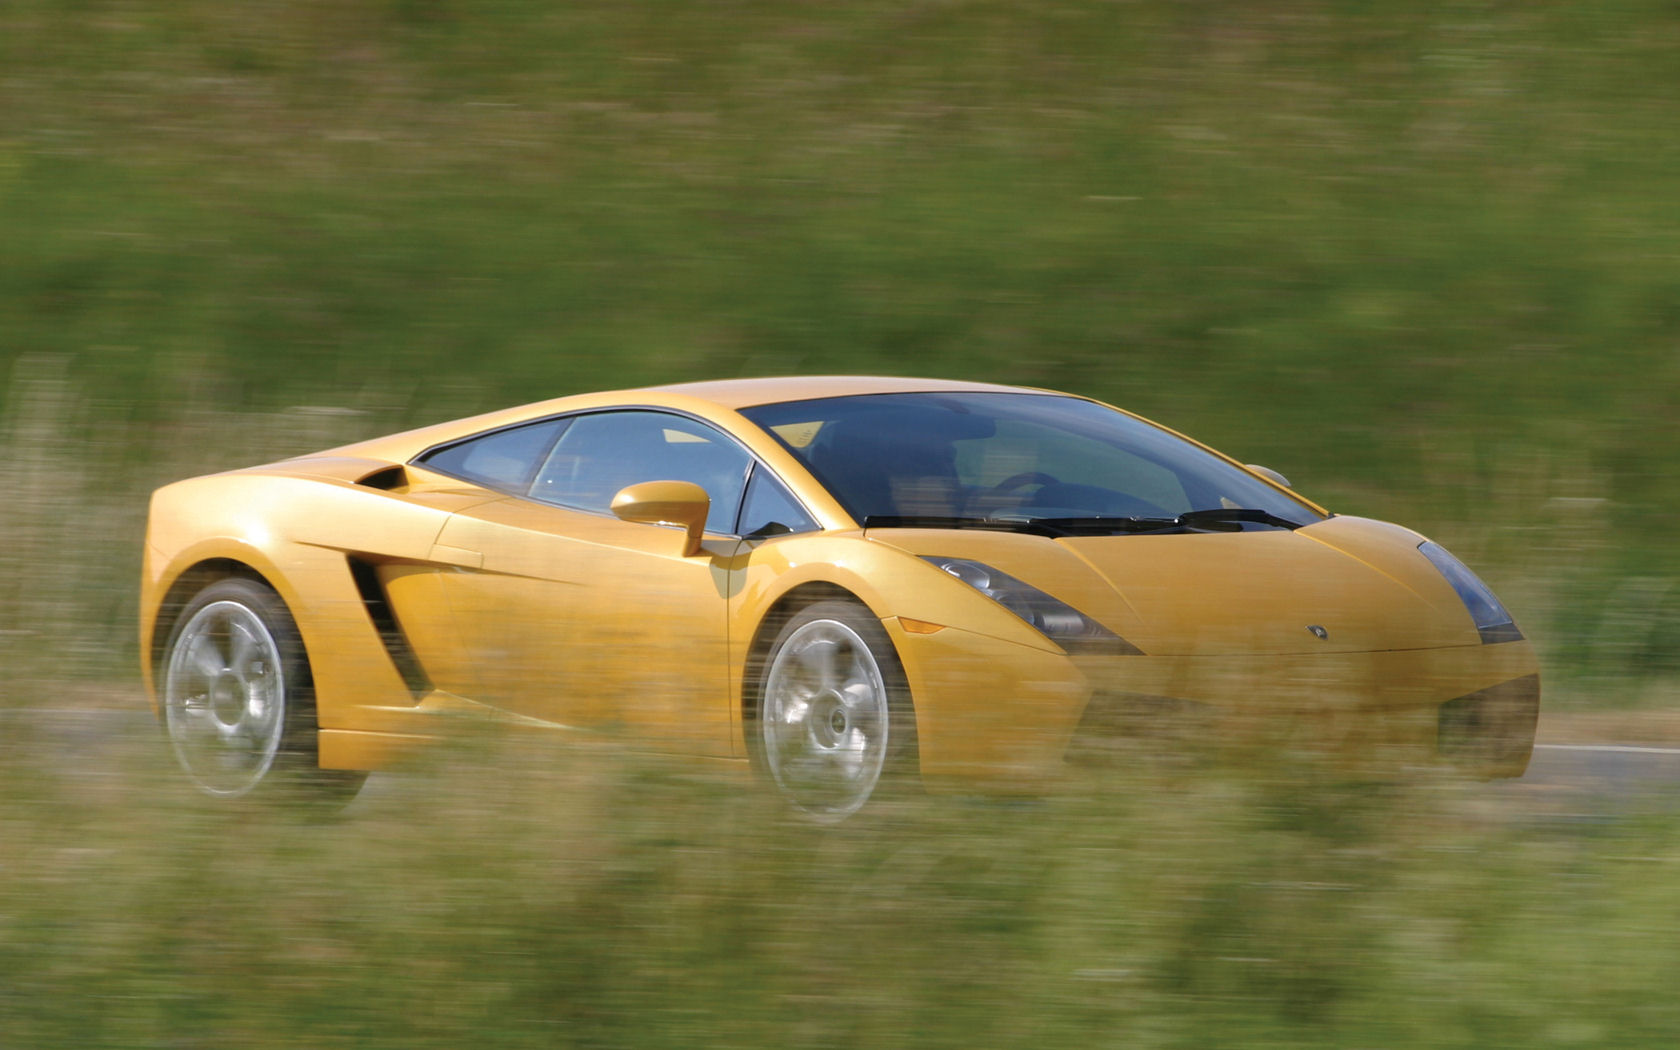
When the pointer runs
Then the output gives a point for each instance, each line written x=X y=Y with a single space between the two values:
x=566 y=620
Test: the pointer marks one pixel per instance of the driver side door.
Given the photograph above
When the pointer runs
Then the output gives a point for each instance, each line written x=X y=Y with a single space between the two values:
x=574 y=617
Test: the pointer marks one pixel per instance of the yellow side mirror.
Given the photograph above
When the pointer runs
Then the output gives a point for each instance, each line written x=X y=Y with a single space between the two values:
x=680 y=503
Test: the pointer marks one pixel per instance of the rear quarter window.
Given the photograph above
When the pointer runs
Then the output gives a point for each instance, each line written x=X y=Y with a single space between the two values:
x=505 y=459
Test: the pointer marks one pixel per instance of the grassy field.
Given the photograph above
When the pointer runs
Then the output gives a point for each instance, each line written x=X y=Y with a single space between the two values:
x=1421 y=258
x=519 y=897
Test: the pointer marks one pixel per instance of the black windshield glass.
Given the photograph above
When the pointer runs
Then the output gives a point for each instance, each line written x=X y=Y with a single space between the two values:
x=1008 y=457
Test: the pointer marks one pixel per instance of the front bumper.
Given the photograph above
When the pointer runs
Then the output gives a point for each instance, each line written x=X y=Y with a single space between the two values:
x=1003 y=715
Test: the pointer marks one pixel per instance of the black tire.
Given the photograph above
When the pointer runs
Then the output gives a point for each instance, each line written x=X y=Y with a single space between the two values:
x=238 y=701
x=834 y=723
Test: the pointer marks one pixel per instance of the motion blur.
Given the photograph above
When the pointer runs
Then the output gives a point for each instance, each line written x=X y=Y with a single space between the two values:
x=1418 y=258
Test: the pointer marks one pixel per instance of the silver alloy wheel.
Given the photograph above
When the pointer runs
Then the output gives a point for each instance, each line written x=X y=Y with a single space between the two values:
x=825 y=719
x=224 y=697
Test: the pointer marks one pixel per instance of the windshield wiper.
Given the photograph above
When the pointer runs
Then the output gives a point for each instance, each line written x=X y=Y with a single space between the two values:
x=1030 y=526
x=1235 y=516
x=1106 y=526
x=1054 y=528
x=1213 y=519
x=1210 y=519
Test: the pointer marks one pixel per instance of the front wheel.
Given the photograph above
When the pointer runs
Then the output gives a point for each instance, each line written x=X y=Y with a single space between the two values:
x=834 y=711
x=237 y=699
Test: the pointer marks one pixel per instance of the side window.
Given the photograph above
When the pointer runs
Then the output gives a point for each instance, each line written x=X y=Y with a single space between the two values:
x=504 y=459
x=770 y=509
x=601 y=453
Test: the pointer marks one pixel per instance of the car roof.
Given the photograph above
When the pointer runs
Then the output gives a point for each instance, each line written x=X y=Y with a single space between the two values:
x=707 y=397
x=745 y=393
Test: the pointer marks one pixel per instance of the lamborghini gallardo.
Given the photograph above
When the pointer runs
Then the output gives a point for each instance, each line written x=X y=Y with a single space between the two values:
x=844 y=583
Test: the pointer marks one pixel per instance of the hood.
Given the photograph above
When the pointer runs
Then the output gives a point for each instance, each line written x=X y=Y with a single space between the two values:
x=1361 y=582
x=1266 y=592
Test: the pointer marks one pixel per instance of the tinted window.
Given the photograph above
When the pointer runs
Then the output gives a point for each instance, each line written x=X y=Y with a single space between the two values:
x=505 y=459
x=1008 y=456
x=600 y=454
x=770 y=509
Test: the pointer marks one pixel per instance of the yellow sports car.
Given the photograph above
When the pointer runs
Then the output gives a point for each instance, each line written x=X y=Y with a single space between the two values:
x=845 y=581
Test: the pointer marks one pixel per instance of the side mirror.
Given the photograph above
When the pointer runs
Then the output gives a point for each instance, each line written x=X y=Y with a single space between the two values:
x=1270 y=475
x=680 y=503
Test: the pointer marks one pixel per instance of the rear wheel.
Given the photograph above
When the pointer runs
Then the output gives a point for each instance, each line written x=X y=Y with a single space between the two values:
x=834 y=714
x=237 y=697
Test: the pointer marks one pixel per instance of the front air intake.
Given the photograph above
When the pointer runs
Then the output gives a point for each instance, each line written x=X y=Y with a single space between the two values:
x=1494 y=726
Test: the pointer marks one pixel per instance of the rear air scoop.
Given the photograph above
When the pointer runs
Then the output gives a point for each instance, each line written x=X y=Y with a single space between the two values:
x=1272 y=593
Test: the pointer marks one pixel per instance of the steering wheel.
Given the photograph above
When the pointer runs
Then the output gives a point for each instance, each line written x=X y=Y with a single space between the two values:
x=1022 y=480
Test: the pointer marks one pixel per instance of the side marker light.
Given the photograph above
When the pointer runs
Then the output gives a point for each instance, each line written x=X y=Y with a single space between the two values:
x=919 y=626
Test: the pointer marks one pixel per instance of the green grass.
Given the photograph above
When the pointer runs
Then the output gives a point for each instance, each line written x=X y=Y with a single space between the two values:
x=1421 y=258
x=514 y=896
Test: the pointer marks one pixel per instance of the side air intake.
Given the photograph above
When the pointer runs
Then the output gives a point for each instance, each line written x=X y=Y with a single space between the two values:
x=390 y=632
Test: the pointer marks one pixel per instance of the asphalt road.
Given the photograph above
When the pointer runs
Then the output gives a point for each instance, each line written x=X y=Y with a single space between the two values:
x=1606 y=765
x=1602 y=779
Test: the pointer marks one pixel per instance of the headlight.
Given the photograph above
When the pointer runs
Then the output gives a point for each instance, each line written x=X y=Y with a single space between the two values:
x=1055 y=619
x=1494 y=623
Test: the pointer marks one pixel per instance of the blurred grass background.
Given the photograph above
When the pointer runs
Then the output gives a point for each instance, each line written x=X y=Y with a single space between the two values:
x=582 y=898
x=1421 y=258
x=1424 y=259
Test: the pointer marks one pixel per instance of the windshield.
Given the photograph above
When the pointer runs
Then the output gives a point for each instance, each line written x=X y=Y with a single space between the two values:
x=1009 y=458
